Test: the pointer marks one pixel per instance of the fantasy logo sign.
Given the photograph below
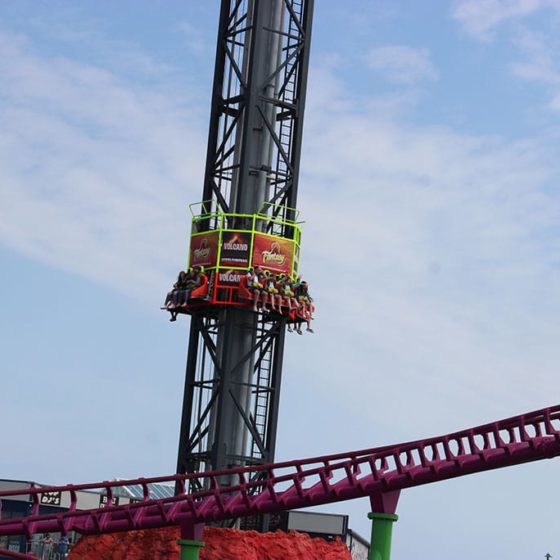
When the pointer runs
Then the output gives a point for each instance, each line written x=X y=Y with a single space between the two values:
x=273 y=253
x=274 y=256
x=204 y=249
x=235 y=249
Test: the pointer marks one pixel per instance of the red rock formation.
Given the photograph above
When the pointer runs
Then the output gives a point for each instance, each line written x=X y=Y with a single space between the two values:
x=134 y=545
x=230 y=544
x=221 y=544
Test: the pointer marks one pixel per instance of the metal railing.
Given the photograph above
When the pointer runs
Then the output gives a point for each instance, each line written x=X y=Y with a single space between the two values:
x=265 y=221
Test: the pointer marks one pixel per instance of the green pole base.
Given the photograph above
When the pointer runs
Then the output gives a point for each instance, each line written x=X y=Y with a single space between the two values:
x=381 y=535
x=189 y=549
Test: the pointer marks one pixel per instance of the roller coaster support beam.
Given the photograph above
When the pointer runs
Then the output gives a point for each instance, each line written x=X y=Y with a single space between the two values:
x=189 y=549
x=190 y=542
x=382 y=518
x=381 y=534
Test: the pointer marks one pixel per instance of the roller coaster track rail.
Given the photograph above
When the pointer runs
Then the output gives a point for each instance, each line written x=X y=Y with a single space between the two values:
x=247 y=491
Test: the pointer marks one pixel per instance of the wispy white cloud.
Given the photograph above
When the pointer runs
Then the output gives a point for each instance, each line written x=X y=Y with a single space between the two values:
x=443 y=244
x=536 y=48
x=433 y=256
x=401 y=64
x=195 y=39
x=540 y=63
x=94 y=169
x=431 y=253
x=480 y=18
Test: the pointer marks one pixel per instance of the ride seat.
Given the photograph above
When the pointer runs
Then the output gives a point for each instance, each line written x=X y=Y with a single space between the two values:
x=243 y=292
x=284 y=304
x=200 y=292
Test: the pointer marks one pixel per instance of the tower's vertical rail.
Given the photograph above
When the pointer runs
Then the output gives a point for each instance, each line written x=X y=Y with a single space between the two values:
x=234 y=367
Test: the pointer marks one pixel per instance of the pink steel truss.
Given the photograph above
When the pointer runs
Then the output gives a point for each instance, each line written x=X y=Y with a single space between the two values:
x=261 y=489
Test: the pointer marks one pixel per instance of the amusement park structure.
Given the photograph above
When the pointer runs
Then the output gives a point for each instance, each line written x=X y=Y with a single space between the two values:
x=247 y=219
x=379 y=473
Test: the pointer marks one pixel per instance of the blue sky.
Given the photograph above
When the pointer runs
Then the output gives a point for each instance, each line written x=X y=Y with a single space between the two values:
x=429 y=184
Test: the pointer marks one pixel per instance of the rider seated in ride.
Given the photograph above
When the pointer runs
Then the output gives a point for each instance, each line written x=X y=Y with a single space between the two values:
x=251 y=279
x=193 y=280
x=305 y=305
x=256 y=286
x=176 y=294
x=293 y=301
x=286 y=289
x=196 y=277
x=271 y=290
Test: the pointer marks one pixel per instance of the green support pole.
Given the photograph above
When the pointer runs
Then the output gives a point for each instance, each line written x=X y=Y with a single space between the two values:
x=189 y=549
x=381 y=533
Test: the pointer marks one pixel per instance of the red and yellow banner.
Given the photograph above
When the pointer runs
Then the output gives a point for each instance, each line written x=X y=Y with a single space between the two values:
x=273 y=253
x=204 y=249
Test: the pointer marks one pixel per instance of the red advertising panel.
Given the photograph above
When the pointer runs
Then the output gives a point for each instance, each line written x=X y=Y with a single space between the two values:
x=235 y=248
x=204 y=249
x=273 y=253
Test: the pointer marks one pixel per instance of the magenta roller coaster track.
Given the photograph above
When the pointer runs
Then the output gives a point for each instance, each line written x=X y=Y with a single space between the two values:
x=379 y=473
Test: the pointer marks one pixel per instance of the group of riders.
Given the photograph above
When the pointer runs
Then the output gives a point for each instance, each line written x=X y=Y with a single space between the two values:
x=279 y=290
x=265 y=287
x=185 y=284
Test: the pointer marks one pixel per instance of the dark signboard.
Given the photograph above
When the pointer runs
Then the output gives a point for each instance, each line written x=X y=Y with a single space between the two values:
x=235 y=248
x=51 y=498
x=104 y=500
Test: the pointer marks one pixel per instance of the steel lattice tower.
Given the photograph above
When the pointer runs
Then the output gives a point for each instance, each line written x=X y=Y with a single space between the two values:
x=234 y=364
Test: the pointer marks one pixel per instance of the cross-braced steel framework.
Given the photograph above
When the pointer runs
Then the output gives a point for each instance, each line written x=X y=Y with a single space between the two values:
x=258 y=102
x=234 y=364
x=207 y=382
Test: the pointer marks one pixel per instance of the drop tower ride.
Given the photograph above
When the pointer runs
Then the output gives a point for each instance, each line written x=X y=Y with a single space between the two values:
x=247 y=218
